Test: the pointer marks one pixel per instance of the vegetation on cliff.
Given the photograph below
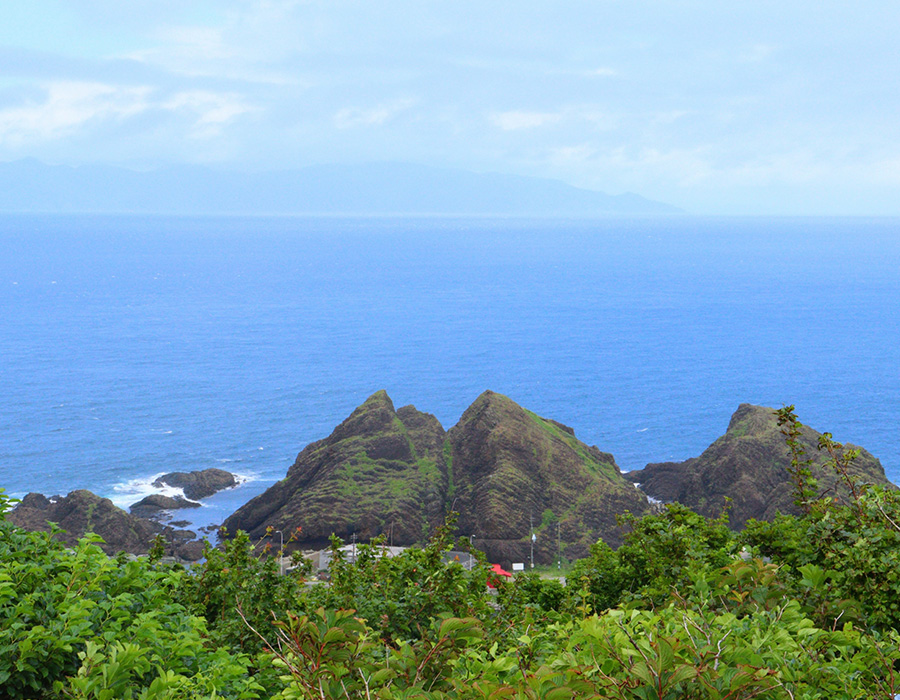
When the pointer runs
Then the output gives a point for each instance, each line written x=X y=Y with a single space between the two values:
x=516 y=473
x=381 y=471
x=748 y=469
x=506 y=471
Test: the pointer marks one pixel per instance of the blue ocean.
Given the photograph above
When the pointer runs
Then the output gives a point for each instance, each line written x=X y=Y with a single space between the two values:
x=132 y=346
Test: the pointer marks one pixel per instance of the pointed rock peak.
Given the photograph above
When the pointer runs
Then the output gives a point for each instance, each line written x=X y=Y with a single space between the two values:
x=376 y=414
x=492 y=397
x=490 y=404
x=752 y=420
x=379 y=399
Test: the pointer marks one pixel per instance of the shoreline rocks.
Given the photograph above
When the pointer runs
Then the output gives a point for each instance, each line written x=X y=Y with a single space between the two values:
x=519 y=483
x=81 y=512
x=200 y=484
x=157 y=507
x=748 y=464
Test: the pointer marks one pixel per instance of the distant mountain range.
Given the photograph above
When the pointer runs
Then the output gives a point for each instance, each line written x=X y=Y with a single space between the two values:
x=29 y=186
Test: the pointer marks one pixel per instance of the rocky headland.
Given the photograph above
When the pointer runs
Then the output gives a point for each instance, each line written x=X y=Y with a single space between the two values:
x=510 y=474
x=507 y=471
x=748 y=464
x=380 y=472
x=515 y=473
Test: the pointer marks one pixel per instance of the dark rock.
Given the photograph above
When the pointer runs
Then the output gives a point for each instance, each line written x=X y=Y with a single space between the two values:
x=82 y=512
x=380 y=472
x=398 y=473
x=38 y=501
x=512 y=468
x=152 y=504
x=191 y=551
x=198 y=484
x=748 y=464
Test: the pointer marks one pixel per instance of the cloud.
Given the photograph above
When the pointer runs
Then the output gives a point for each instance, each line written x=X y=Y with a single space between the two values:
x=602 y=72
x=67 y=107
x=190 y=51
x=515 y=120
x=567 y=155
x=575 y=117
x=213 y=52
x=756 y=53
x=353 y=117
x=212 y=110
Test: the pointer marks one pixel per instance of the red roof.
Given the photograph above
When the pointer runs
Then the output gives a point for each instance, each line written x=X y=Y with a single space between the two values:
x=499 y=570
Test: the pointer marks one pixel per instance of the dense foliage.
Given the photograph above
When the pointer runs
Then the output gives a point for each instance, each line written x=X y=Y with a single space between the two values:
x=75 y=623
x=802 y=607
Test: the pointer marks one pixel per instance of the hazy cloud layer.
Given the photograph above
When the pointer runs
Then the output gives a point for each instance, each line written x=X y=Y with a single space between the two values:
x=763 y=107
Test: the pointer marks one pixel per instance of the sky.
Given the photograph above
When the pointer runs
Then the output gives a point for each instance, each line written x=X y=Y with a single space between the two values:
x=760 y=107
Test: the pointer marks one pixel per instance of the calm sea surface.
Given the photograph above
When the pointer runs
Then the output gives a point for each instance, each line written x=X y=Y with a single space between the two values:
x=133 y=346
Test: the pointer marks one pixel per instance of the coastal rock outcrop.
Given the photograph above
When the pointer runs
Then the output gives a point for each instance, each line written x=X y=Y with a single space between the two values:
x=381 y=471
x=398 y=473
x=515 y=473
x=198 y=484
x=155 y=504
x=748 y=464
x=82 y=511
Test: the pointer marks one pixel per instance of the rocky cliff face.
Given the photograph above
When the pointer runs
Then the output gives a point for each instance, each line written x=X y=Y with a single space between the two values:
x=82 y=511
x=513 y=470
x=397 y=472
x=748 y=464
x=380 y=472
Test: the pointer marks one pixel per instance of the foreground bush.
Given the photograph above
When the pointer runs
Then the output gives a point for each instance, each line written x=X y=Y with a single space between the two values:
x=76 y=623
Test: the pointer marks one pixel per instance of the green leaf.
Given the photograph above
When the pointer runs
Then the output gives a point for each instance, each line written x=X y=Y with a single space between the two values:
x=642 y=671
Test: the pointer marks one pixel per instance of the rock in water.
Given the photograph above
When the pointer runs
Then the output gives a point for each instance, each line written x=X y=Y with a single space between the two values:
x=398 y=473
x=748 y=464
x=380 y=472
x=198 y=484
x=152 y=505
x=512 y=468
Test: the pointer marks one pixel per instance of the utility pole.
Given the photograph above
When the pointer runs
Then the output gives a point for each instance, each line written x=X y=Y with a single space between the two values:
x=558 y=549
x=531 y=517
x=281 y=554
x=353 y=540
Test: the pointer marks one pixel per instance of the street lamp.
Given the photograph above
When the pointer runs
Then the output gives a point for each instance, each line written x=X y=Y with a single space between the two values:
x=281 y=553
